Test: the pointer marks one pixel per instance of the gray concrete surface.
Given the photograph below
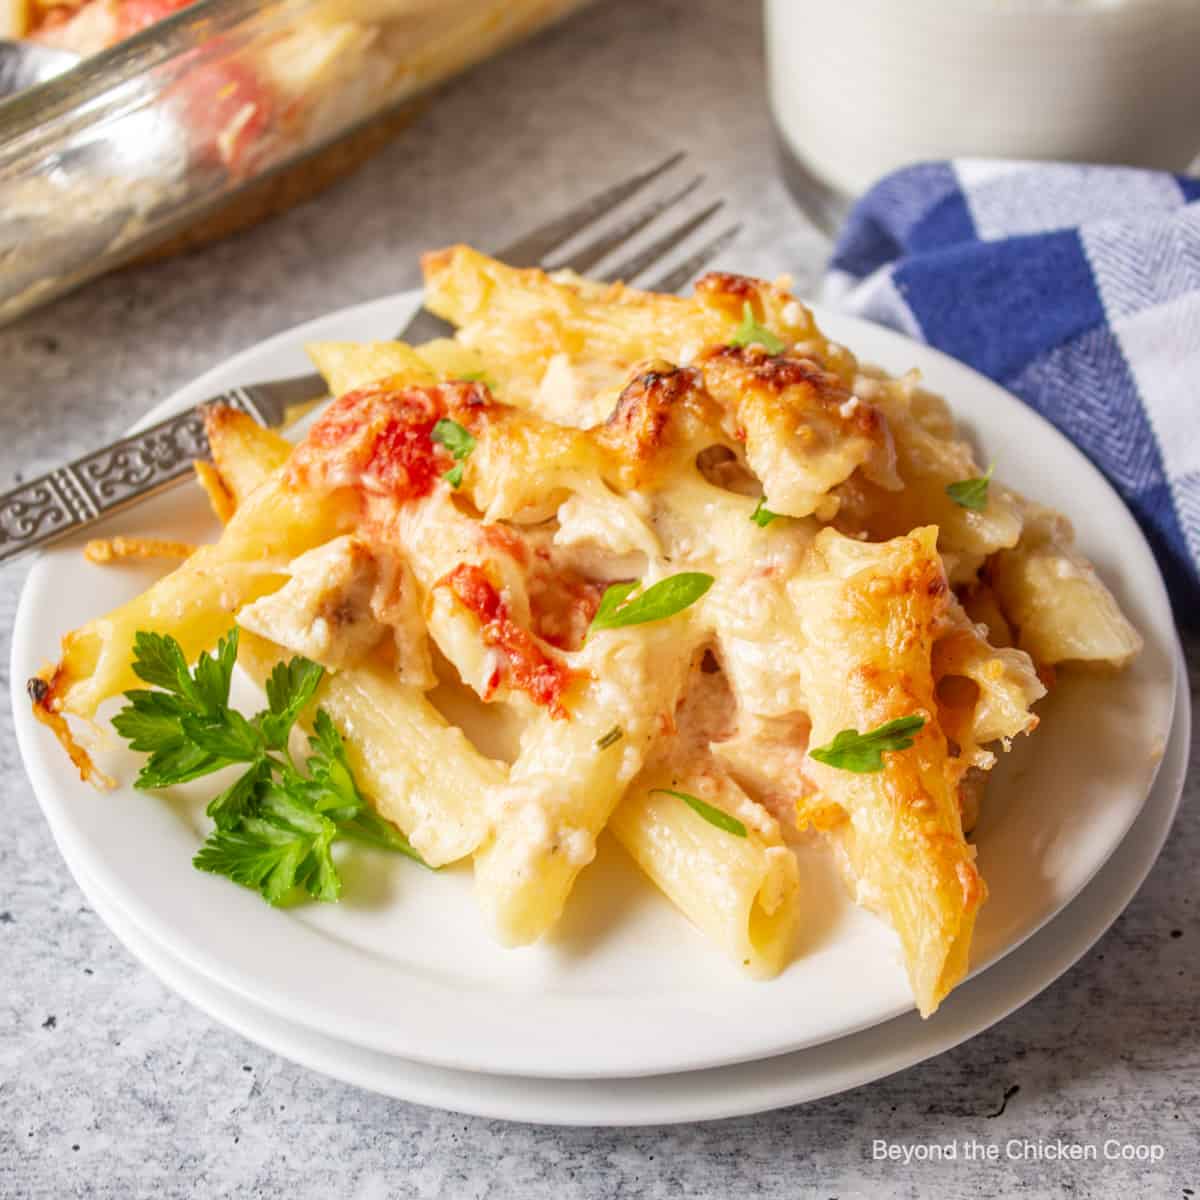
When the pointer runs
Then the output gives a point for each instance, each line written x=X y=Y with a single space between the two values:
x=112 y=1087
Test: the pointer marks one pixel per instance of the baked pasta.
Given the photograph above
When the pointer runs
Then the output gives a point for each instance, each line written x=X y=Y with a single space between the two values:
x=694 y=575
x=290 y=81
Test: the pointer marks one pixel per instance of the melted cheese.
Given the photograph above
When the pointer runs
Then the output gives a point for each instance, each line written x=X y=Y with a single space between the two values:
x=339 y=604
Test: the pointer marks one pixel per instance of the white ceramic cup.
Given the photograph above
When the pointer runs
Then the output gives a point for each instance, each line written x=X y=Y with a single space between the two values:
x=860 y=87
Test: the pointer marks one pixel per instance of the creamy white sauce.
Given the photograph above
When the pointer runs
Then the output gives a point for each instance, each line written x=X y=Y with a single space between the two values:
x=603 y=521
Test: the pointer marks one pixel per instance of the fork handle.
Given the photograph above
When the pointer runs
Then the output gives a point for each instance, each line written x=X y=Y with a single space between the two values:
x=82 y=492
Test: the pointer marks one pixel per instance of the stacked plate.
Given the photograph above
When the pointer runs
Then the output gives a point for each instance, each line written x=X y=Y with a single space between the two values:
x=627 y=1016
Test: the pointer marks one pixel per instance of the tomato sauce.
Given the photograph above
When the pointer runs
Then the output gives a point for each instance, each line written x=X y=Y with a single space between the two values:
x=527 y=667
x=380 y=438
x=562 y=604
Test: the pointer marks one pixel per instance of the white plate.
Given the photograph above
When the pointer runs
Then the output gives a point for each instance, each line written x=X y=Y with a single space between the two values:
x=724 y=1091
x=625 y=987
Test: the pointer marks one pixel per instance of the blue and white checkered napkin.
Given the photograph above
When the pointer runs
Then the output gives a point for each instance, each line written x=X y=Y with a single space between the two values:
x=1078 y=289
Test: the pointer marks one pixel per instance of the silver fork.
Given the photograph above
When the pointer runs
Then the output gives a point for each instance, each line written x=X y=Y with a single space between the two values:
x=136 y=467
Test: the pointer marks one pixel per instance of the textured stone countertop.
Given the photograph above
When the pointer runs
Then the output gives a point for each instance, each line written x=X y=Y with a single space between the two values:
x=111 y=1086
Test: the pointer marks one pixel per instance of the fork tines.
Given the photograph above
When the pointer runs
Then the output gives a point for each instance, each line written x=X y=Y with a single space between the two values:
x=623 y=226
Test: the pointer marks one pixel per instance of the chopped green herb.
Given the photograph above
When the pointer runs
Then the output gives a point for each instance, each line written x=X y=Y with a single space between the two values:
x=751 y=333
x=971 y=493
x=274 y=826
x=478 y=377
x=454 y=437
x=714 y=816
x=459 y=442
x=614 y=596
x=762 y=516
x=659 y=601
x=863 y=752
x=611 y=738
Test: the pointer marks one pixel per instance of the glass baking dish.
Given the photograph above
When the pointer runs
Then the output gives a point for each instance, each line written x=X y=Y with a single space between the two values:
x=140 y=141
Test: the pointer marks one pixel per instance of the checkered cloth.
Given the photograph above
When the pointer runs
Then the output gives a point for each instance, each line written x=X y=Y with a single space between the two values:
x=1078 y=289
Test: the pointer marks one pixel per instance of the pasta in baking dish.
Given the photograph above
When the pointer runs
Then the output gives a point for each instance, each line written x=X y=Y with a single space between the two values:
x=699 y=577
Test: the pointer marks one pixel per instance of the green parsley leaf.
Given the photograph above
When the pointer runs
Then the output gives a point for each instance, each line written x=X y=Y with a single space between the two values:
x=751 y=333
x=176 y=763
x=289 y=689
x=762 y=516
x=611 y=738
x=331 y=774
x=257 y=854
x=153 y=722
x=713 y=815
x=863 y=752
x=319 y=875
x=285 y=847
x=228 y=735
x=286 y=808
x=150 y=721
x=459 y=442
x=241 y=798
x=659 y=601
x=159 y=661
x=214 y=673
x=971 y=493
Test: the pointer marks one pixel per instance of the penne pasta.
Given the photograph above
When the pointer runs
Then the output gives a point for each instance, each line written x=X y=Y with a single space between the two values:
x=870 y=613
x=244 y=453
x=1053 y=598
x=566 y=782
x=740 y=892
x=348 y=366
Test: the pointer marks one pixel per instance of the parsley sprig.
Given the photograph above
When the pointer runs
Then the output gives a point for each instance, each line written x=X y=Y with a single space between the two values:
x=751 y=333
x=971 y=493
x=863 y=752
x=459 y=441
x=275 y=824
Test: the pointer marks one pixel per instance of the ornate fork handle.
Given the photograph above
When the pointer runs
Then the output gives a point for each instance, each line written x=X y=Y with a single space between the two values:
x=105 y=481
